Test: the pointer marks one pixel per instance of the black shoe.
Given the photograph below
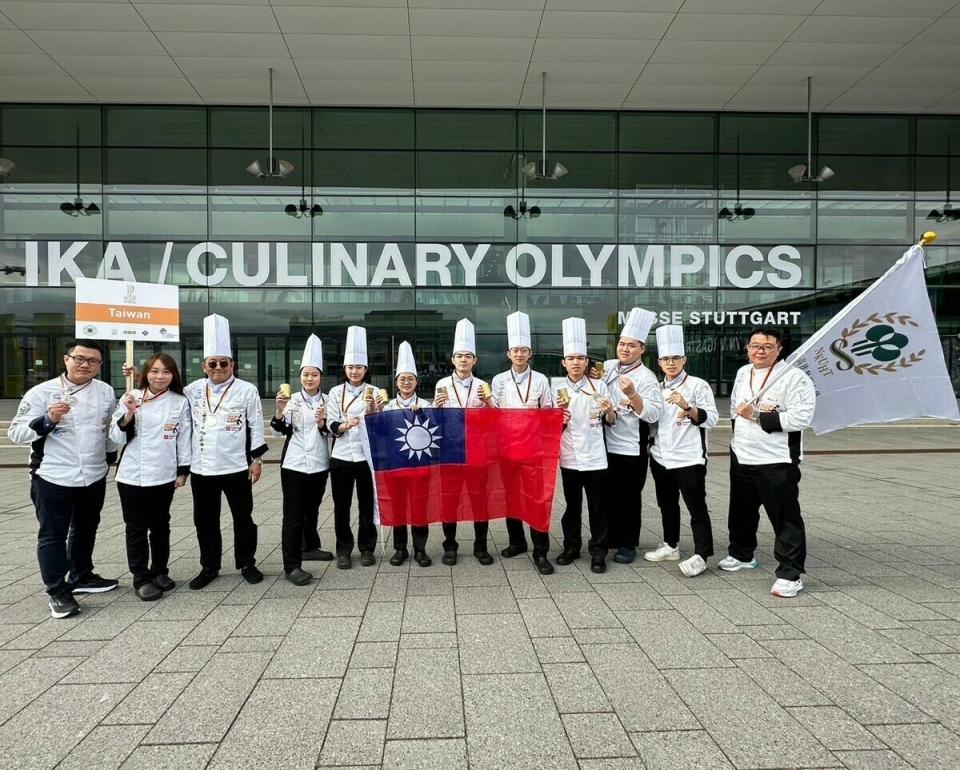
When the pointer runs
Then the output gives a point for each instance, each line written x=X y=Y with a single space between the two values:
x=251 y=574
x=598 y=564
x=316 y=555
x=449 y=558
x=298 y=577
x=543 y=565
x=164 y=583
x=203 y=578
x=149 y=592
x=513 y=550
x=567 y=557
x=343 y=561
x=421 y=558
x=63 y=606
x=94 y=584
x=484 y=558
x=366 y=559
x=399 y=557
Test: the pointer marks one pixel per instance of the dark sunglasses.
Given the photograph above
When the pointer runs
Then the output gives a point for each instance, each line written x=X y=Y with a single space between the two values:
x=222 y=363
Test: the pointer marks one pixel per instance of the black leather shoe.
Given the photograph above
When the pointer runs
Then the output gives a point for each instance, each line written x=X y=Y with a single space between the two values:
x=317 y=555
x=149 y=592
x=298 y=577
x=343 y=561
x=421 y=558
x=449 y=558
x=567 y=557
x=513 y=550
x=203 y=578
x=366 y=559
x=543 y=565
x=251 y=574
x=399 y=557
x=484 y=558
x=164 y=583
x=598 y=564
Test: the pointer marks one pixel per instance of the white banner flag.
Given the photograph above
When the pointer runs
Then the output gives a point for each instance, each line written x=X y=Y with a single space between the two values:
x=880 y=358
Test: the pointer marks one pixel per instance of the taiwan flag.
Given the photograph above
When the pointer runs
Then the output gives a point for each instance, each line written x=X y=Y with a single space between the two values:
x=446 y=465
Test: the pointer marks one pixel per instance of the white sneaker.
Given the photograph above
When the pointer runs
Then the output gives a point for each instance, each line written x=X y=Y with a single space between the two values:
x=693 y=566
x=734 y=565
x=787 y=588
x=663 y=552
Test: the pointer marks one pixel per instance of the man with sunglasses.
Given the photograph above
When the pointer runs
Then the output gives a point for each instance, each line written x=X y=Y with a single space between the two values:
x=65 y=421
x=228 y=443
x=771 y=404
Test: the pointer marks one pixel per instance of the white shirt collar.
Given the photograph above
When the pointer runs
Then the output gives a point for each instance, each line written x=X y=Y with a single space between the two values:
x=676 y=380
x=218 y=389
x=520 y=377
x=354 y=389
x=462 y=383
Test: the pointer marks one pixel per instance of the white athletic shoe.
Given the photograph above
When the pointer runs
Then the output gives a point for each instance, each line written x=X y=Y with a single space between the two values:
x=787 y=588
x=663 y=552
x=734 y=565
x=693 y=566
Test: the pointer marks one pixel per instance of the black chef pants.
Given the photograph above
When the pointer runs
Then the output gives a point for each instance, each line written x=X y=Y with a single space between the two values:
x=68 y=518
x=540 y=540
x=206 y=518
x=574 y=485
x=146 y=513
x=627 y=475
x=302 y=494
x=689 y=482
x=776 y=488
x=344 y=476
x=419 y=538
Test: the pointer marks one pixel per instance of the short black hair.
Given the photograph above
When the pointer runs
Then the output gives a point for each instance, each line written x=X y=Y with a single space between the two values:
x=92 y=344
x=766 y=331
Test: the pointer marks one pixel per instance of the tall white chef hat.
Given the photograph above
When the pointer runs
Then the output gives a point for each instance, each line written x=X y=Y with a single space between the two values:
x=464 y=339
x=312 y=353
x=355 y=351
x=405 y=362
x=638 y=323
x=574 y=337
x=518 y=331
x=216 y=337
x=669 y=341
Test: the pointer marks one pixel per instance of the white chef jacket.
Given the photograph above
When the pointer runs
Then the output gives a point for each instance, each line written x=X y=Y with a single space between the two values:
x=343 y=402
x=157 y=442
x=306 y=449
x=397 y=402
x=786 y=408
x=227 y=426
x=73 y=452
x=630 y=433
x=462 y=394
x=526 y=390
x=679 y=441
x=581 y=442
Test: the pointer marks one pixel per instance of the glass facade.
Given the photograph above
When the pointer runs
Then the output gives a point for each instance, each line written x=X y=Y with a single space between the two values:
x=413 y=234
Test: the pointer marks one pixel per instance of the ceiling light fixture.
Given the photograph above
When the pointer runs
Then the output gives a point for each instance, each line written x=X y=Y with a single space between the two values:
x=522 y=211
x=801 y=172
x=6 y=166
x=948 y=213
x=75 y=208
x=537 y=171
x=739 y=211
x=301 y=209
x=271 y=167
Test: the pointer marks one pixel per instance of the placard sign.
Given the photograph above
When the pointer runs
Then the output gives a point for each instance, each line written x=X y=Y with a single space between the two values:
x=124 y=310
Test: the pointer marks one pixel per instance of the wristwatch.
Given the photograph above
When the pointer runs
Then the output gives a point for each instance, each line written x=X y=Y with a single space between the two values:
x=257 y=460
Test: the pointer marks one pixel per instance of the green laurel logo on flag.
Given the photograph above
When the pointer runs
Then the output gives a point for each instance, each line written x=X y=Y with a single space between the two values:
x=878 y=345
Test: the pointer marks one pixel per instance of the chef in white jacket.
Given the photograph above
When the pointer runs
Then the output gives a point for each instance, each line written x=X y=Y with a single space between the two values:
x=635 y=391
x=522 y=388
x=765 y=455
x=65 y=421
x=583 y=458
x=678 y=454
x=228 y=445
x=153 y=428
x=304 y=464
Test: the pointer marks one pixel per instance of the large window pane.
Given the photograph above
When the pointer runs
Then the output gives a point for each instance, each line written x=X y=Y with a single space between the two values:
x=548 y=307
x=465 y=219
x=938 y=136
x=142 y=126
x=571 y=219
x=52 y=169
x=363 y=170
x=571 y=131
x=364 y=218
x=763 y=133
x=363 y=129
x=664 y=174
x=51 y=125
x=668 y=220
x=250 y=127
x=865 y=221
x=179 y=217
x=863 y=134
x=156 y=170
x=667 y=132
x=228 y=171
x=587 y=174
x=265 y=311
x=867 y=177
x=466 y=130
x=778 y=221
x=39 y=216
x=260 y=217
x=762 y=175
x=853 y=265
x=453 y=172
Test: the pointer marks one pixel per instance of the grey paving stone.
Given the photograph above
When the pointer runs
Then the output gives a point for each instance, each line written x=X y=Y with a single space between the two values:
x=597 y=736
x=620 y=763
x=736 y=646
x=336 y=603
x=390 y=587
x=188 y=658
x=431 y=754
x=631 y=596
x=739 y=608
x=567 y=580
x=104 y=747
x=511 y=723
x=670 y=641
x=527 y=585
x=495 y=644
x=484 y=600
x=858 y=611
x=700 y=614
x=281 y=725
x=10 y=658
x=924 y=685
x=269 y=618
x=949 y=662
x=192 y=756
x=845 y=637
x=354 y=742
x=250 y=644
x=104 y=625
x=559 y=649
x=663 y=582
x=315 y=647
x=428 y=641
x=148 y=701
x=895 y=605
x=439 y=585
x=29 y=679
x=781 y=683
x=916 y=642
x=427 y=701
x=207 y=707
x=581 y=610
x=602 y=636
x=10 y=631
x=381 y=622
x=217 y=626
x=365 y=694
x=747 y=724
x=834 y=728
x=469 y=572
x=873 y=760
x=184 y=604
x=428 y=613
x=132 y=654
x=679 y=750
x=765 y=633
x=926 y=746
x=374 y=655
x=575 y=689
x=58 y=649
x=542 y=617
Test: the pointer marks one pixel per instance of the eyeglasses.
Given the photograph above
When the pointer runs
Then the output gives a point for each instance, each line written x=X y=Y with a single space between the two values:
x=765 y=348
x=671 y=359
x=83 y=360
x=223 y=363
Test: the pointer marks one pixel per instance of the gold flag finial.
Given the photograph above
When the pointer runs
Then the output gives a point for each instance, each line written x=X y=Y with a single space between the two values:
x=927 y=238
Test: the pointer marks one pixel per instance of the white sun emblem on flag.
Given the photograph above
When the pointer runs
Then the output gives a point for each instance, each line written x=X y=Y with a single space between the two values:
x=418 y=438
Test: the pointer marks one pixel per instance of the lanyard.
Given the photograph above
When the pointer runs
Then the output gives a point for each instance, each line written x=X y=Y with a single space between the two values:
x=153 y=397
x=343 y=396
x=453 y=384
x=767 y=377
x=618 y=371
x=664 y=385
x=579 y=388
x=65 y=386
x=211 y=410
x=523 y=399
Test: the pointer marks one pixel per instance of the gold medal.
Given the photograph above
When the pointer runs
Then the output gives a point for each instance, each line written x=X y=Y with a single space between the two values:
x=210 y=420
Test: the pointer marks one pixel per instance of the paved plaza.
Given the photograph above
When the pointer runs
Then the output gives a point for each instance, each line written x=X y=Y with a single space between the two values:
x=498 y=667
